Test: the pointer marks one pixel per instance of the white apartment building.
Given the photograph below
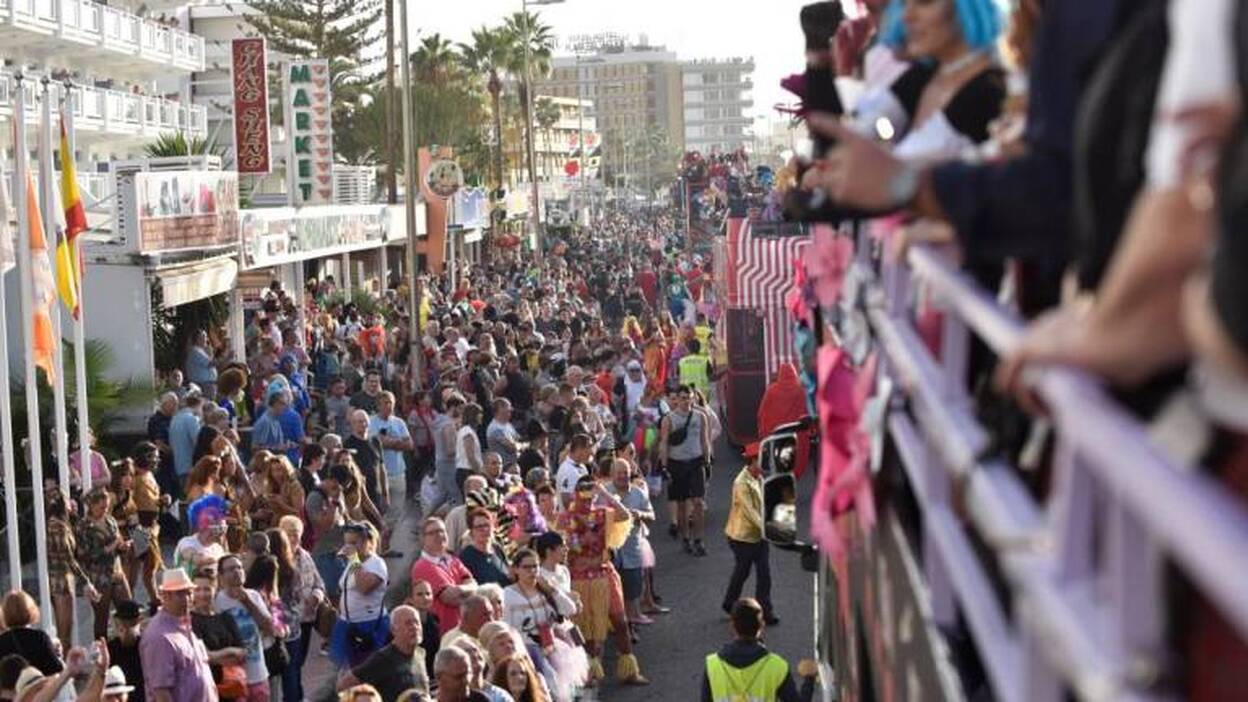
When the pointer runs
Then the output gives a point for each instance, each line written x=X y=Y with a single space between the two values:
x=717 y=101
x=557 y=146
x=127 y=61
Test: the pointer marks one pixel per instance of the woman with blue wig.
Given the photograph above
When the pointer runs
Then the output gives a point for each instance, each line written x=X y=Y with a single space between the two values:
x=941 y=106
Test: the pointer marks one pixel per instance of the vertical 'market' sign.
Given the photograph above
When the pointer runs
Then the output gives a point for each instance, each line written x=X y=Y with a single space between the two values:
x=249 y=76
x=309 y=132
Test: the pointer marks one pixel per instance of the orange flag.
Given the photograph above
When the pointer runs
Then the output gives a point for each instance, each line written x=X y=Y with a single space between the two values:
x=43 y=343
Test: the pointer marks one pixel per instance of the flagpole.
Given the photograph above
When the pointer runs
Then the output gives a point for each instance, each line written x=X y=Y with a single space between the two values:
x=80 y=331
x=47 y=202
x=26 y=265
x=6 y=413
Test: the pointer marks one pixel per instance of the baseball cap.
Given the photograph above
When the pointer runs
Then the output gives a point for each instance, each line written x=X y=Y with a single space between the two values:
x=751 y=450
x=634 y=365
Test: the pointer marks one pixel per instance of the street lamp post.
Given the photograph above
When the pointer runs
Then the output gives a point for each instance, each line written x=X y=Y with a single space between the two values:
x=410 y=193
x=528 y=116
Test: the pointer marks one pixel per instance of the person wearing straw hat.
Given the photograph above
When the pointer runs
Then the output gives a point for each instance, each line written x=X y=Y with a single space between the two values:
x=175 y=661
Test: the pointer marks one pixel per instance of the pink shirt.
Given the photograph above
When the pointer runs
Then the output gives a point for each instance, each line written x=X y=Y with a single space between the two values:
x=446 y=571
x=175 y=659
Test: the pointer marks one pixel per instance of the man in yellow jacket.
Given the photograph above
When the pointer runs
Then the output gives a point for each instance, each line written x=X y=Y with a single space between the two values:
x=745 y=537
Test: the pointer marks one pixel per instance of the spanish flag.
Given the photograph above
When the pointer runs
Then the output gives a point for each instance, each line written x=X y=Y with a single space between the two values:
x=43 y=345
x=68 y=261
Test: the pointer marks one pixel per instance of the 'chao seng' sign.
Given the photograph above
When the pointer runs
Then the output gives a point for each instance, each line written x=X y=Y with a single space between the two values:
x=309 y=133
x=249 y=76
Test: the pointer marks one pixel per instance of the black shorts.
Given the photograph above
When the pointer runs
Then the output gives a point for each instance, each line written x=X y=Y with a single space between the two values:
x=687 y=481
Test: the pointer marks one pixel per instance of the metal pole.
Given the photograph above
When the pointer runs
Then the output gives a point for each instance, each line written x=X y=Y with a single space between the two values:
x=580 y=123
x=80 y=331
x=528 y=130
x=25 y=262
x=410 y=192
x=6 y=412
x=47 y=184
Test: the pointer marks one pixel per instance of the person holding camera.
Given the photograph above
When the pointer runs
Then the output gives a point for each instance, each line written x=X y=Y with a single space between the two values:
x=684 y=452
x=363 y=625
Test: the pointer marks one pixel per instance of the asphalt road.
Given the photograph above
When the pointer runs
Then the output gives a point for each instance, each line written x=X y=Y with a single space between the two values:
x=673 y=650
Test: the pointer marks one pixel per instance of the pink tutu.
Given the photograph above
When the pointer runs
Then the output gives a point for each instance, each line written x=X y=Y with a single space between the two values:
x=571 y=666
x=647 y=553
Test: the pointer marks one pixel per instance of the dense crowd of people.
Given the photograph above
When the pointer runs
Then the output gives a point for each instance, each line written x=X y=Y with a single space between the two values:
x=535 y=424
x=1080 y=160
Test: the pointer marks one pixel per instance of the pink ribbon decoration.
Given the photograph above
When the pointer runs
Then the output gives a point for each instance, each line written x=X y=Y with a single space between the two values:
x=827 y=261
x=844 y=477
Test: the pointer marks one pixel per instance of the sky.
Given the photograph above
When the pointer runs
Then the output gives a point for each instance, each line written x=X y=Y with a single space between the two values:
x=767 y=30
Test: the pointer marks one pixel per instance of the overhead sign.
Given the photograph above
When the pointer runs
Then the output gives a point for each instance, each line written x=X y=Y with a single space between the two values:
x=179 y=210
x=309 y=132
x=279 y=235
x=471 y=208
x=445 y=178
x=249 y=76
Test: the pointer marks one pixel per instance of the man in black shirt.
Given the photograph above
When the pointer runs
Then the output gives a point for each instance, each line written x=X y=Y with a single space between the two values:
x=123 y=649
x=366 y=453
x=366 y=399
x=398 y=667
x=517 y=386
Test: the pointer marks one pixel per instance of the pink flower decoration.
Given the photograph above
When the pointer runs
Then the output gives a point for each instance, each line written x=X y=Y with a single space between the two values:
x=827 y=260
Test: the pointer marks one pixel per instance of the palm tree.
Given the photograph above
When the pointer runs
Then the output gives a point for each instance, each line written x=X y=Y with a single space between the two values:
x=541 y=47
x=489 y=54
x=547 y=114
x=434 y=61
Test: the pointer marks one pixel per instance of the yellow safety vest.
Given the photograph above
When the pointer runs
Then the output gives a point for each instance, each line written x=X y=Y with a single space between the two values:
x=695 y=370
x=758 y=682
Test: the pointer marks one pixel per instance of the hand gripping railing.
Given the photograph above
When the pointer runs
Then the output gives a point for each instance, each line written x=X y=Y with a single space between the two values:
x=1085 y=569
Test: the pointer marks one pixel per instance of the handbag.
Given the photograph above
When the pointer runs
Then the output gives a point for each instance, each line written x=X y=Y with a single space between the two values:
x=326 y=617
x=678 y=436
x=233 y=684
x=277 y=657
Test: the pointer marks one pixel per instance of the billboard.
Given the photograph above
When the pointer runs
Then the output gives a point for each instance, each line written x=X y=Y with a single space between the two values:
x=275 y=236
x=249 y=77
x=178 y=210
x=309 y=132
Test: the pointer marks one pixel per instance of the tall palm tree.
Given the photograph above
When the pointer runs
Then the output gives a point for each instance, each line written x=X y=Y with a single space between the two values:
x=541 y=48
x=489 y=54
x=434 y=61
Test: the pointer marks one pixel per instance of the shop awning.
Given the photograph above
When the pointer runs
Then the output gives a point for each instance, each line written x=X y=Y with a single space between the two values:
x=196 y=281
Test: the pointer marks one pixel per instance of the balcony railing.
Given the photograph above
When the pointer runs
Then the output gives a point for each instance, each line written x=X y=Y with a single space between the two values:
x=1074 y=598
x=113 y=112
x=107 y=30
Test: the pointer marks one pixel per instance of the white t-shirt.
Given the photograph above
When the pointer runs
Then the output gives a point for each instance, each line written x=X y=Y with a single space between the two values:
x=190 y=551
x=1200 y=68
x=356 y=606
x=633 y=392
x=569 y=472
x=474 y=449
x=249 y=628
x=560 y=576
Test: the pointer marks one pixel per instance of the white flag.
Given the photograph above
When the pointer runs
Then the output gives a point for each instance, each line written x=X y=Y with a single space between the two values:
x=7 y=258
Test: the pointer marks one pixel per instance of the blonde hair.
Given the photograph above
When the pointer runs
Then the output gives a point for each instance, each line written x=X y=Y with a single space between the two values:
x=289 y=522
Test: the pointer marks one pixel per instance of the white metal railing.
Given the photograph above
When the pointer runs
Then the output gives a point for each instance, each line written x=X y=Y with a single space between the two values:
x=111 y=111
x=110 y=28
x=1084 y=567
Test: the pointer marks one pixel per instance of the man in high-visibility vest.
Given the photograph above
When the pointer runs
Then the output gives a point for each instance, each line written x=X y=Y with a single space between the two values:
x=695 y=369
x=743 y=670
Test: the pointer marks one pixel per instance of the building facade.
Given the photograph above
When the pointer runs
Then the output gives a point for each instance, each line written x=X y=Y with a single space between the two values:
x=637 y=94
x=717 y=98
